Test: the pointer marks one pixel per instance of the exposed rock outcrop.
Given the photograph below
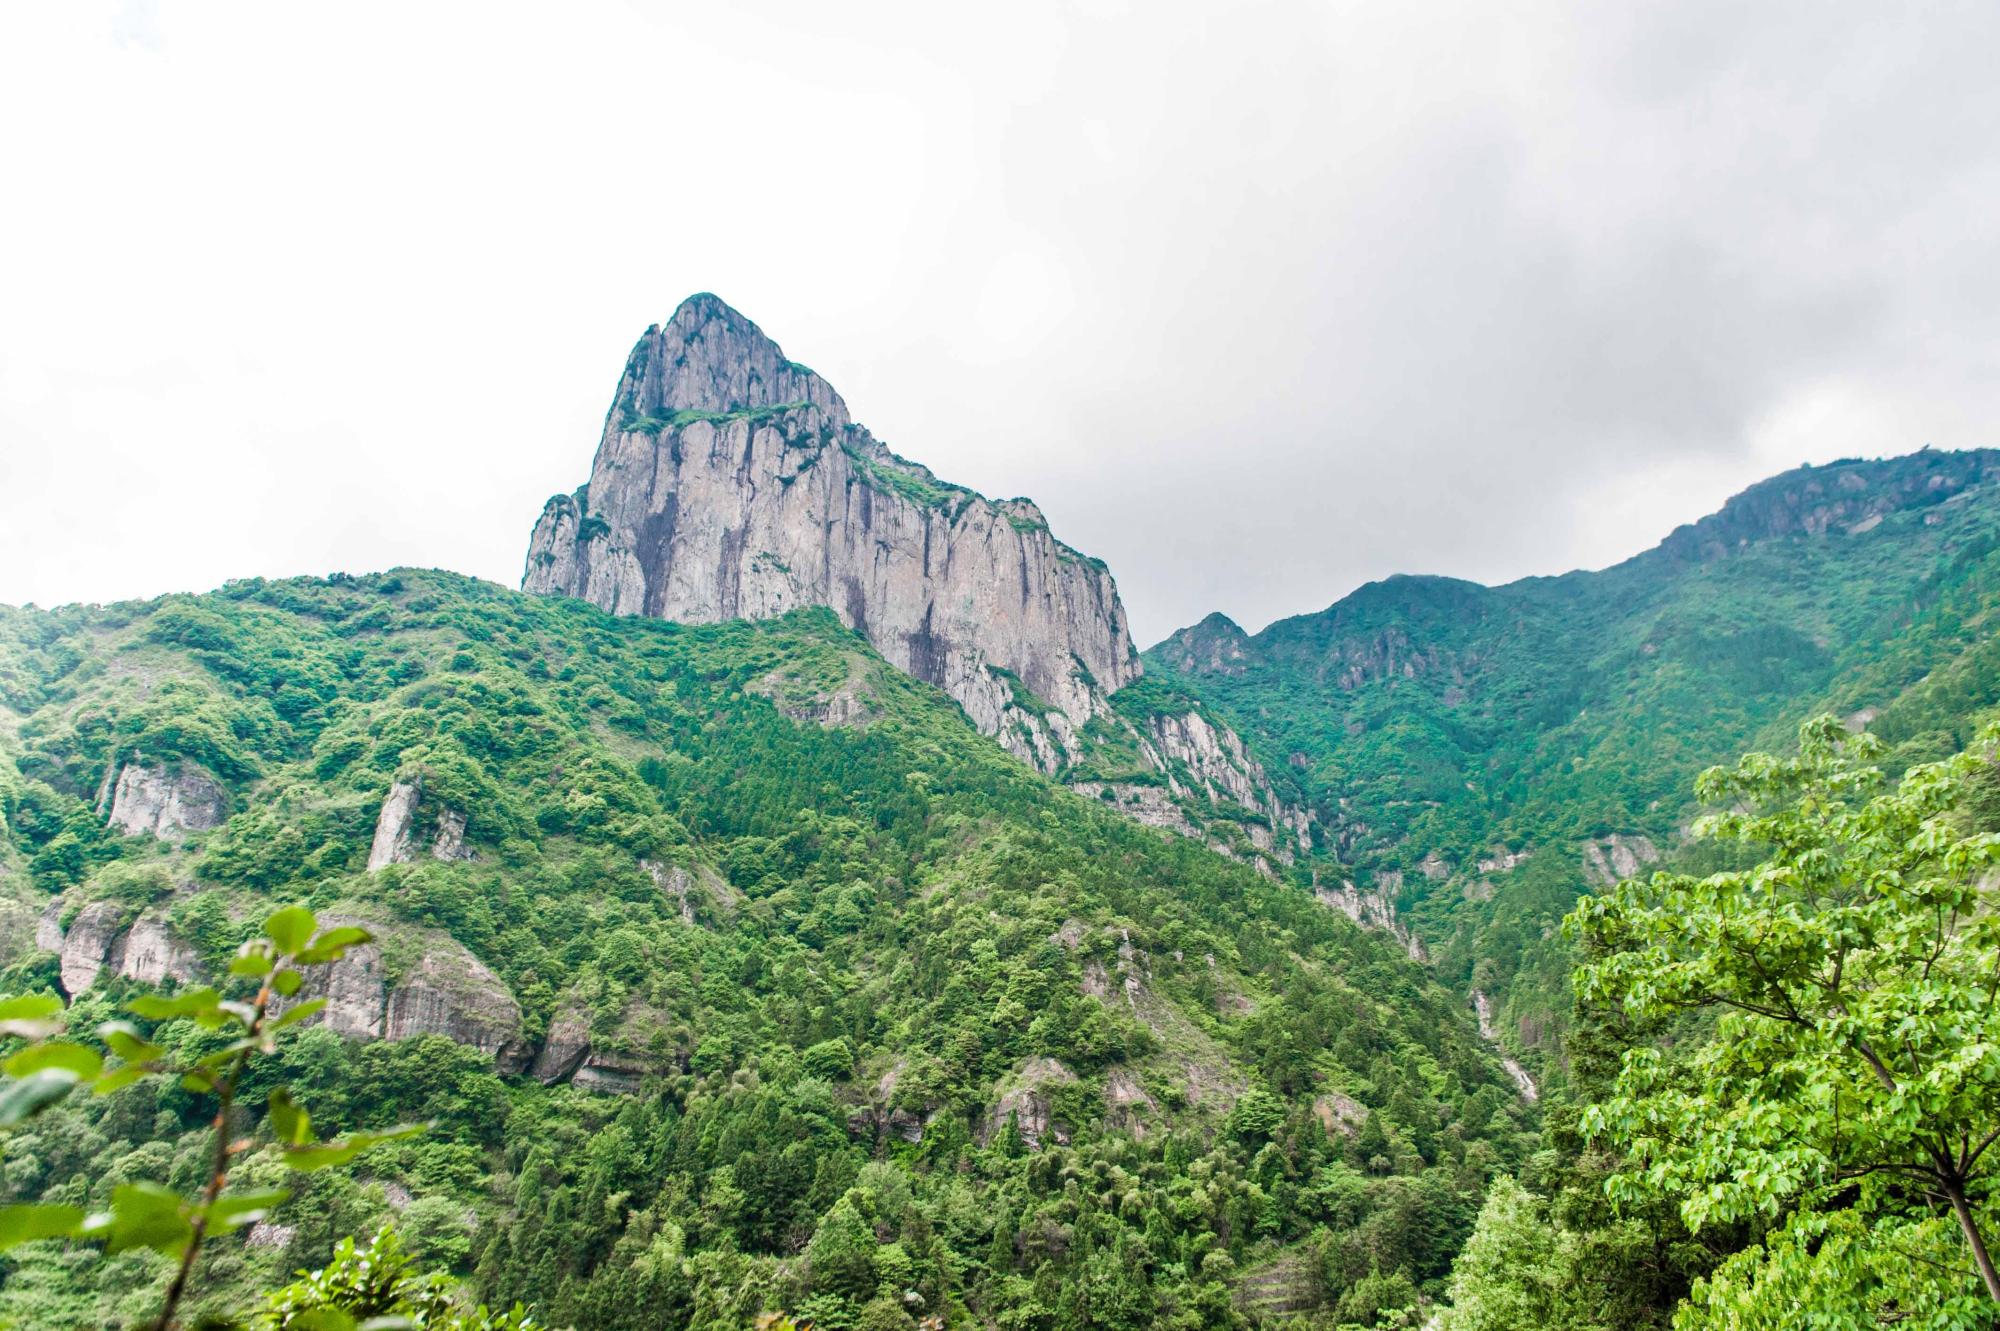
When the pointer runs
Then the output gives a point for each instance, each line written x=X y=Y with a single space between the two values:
x=153 y=955
x=398 y=828
x=1374 y=909
x=1025 y=1099
x=48 y=929
x=93 y=941
x=851 y=703
x=729 y=482
x=167 y=802
x=882 y=1116
x=1340 y=1113
x=1850 y=497
x=1214 y=646
x=451 y=993
x=106 y=936
x=1126 y=1103
x=447 y=991
x=1483 y=1006
x=1612 y=859
x=619 y=1064
x=1223 y=772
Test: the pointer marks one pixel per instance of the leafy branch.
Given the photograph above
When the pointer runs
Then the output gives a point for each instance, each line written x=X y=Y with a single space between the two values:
x=271 y=968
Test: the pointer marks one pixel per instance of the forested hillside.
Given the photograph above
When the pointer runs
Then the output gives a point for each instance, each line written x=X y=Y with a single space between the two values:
x=735 y=970
x=1478 y=756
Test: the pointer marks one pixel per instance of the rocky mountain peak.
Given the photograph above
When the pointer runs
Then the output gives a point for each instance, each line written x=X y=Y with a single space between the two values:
x=730 y=484
x=1216 y=644
x=1851 y=496
x=709 y=359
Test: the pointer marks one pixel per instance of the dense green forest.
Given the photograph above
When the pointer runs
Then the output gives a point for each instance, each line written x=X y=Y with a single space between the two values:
x=1471 y=750
x=732 y=973
x=714 y=1007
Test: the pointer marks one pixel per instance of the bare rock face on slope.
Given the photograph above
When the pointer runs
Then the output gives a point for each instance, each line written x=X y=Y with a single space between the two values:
x=730 y=483
x=167 y=802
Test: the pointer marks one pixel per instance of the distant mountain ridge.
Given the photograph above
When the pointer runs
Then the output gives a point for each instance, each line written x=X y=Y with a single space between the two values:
x=1555 y=724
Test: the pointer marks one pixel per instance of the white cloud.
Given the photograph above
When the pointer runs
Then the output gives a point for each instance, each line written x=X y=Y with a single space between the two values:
x=1259 y=301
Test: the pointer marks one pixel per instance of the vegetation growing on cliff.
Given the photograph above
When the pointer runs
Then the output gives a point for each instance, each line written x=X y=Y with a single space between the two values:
x=895 y=929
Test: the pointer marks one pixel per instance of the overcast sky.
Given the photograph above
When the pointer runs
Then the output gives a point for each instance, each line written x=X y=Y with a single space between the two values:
x=1259 y=302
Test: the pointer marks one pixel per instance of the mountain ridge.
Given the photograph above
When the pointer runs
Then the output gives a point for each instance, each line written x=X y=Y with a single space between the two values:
x=1553 y=725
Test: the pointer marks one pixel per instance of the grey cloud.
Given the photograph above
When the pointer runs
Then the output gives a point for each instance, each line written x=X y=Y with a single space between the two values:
x=1259 y=301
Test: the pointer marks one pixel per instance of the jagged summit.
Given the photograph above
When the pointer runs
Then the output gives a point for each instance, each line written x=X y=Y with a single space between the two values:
x=709 y=358
x=1843 y=496
x=1216 y=643
x=730 y=483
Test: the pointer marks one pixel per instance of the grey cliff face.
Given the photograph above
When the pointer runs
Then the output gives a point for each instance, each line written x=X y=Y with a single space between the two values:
x=157 y=801
x=105 y=936
x=730 y=483
x=397 y=829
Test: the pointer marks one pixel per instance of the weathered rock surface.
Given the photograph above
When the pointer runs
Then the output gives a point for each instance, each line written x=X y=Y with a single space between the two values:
x=1340 y=1113
x=1216 y=645
x=1374 y=908
x=1126 y=1103
x=452 y=993
x=93 y=941
x=447 y=991
x=1222 y=770
x=1025 y=1099
x=398 y=825
x=1483 y=1006
x=152 y=955
x=730 y=483
x=48 y=928
x=881 y=1116
x=1609 y=860
x=616 y=1064
x=392 y=825
x=849 y=704
x=167 y=802
x=106 y=936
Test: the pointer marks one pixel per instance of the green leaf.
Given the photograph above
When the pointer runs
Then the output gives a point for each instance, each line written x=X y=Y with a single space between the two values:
x=234 y=1210
x=30 y=1007
x=142 y=1215
x=332 y=945
x=304 y=1010
x=187 y=1003
x=119 y=1078
x=32 y=1094
x=290 y=929
x=250 y=963
x=287 y=982
x=34 y=1221
x=321 y=1319
x=127 y=1043
x=309 y=1158
x=289 y=1119
x=82 y=1061
x=31 y=1016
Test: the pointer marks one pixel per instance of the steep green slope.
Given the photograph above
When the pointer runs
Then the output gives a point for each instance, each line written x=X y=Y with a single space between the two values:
x=736 y=969
x=1476 y=749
